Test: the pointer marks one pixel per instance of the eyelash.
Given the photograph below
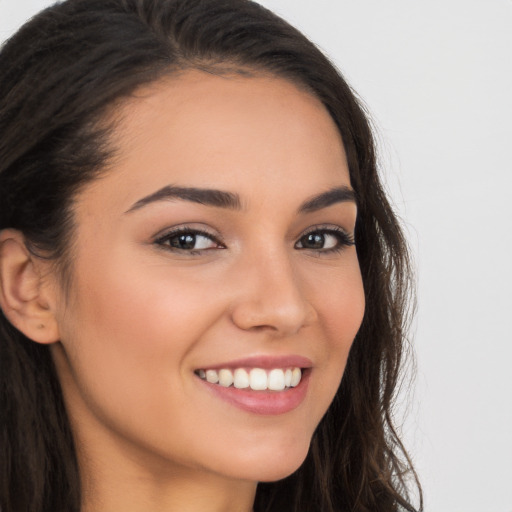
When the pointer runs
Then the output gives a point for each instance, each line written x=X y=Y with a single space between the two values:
x=165 y=240
x=343 y=240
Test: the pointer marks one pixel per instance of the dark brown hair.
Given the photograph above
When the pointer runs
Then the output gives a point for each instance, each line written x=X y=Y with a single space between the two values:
x=59 y=76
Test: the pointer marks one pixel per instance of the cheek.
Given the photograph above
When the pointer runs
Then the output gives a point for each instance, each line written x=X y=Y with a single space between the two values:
x=339 y=299
x=129 y=333
x=342 y=313
x=340 y=303
x=153 y=307
x=129 y=338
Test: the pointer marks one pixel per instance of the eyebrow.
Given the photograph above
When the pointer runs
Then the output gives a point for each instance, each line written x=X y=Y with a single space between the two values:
x=205 y=196
x=334 y=195
x=230 y=200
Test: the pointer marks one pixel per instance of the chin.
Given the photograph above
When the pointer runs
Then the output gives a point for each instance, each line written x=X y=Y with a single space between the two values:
x=278 y=473
x=273 y=466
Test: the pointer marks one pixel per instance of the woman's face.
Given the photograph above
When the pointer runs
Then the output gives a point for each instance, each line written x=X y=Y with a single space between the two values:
x=219 y=244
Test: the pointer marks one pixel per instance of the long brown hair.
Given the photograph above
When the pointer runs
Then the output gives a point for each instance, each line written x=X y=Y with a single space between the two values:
x=59 y=76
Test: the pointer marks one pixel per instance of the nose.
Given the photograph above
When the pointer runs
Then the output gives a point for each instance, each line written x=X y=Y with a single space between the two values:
x=271 y=295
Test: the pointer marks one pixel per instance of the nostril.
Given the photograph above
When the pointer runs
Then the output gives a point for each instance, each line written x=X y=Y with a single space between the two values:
x=285 y=318
x=269 y=295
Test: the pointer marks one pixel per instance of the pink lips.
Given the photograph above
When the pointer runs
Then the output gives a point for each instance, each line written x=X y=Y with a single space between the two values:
x=266 y=362
x=264 y=402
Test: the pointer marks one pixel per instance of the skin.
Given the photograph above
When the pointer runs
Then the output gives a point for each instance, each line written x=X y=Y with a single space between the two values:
x=141 y=318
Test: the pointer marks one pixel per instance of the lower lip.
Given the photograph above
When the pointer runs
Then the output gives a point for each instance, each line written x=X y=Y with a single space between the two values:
x=263 y=402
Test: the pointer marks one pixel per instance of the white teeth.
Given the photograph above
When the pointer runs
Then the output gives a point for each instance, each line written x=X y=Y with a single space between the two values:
x=257 y=379
x=225 y=378
x=288 y=378
x=212 y=376
x=296 y=376
x=241 y=379
x=276 y=380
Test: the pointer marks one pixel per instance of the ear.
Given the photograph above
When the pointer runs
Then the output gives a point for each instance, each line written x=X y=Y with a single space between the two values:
x=26 y=295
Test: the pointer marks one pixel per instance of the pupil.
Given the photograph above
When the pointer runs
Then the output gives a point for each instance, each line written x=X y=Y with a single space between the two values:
x=187 y=241
x=315 y=241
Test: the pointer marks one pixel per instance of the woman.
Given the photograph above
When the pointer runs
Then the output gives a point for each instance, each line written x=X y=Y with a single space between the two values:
x=203 y=286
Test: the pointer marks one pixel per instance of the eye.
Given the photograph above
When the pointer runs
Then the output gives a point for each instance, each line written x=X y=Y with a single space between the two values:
x=188 y=240
x=325 y=240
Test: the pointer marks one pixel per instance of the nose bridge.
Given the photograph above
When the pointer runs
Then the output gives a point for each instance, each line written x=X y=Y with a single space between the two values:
x=270 y=293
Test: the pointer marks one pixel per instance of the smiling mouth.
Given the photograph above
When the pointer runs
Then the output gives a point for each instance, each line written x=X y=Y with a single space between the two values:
x=256 y=379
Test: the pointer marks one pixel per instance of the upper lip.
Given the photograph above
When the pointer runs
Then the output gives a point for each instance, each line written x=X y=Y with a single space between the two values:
x=266 y=362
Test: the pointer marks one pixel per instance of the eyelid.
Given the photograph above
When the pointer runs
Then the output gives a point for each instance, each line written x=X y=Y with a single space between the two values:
x=345 y=237
x=169 y=233
x=328 y=228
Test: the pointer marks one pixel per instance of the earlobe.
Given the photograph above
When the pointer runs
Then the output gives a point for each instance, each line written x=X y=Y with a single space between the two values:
x=23 y=291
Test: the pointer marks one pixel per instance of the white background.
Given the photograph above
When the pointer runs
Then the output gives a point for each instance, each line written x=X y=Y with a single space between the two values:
x=437 y=78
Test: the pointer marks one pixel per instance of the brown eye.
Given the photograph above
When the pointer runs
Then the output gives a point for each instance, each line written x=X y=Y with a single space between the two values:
x=325 y=240
x=188 y=240
x=314 y=241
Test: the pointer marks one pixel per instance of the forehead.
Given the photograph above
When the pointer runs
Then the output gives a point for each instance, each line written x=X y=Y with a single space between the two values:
x=231 y=132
